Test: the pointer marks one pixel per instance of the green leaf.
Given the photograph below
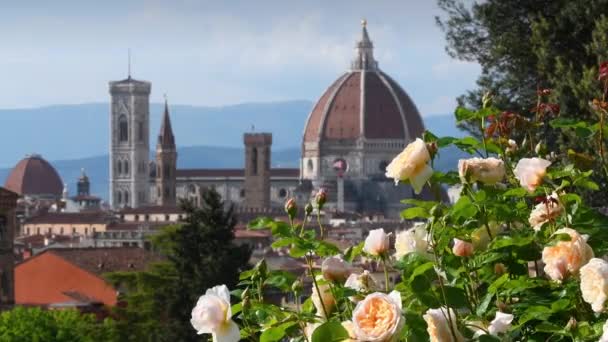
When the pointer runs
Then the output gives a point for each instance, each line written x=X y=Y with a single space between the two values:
x=272 y=334
x=415 y=212
x=464 y=208
x=456 y=297
x=463 y=114
x=489 y=338
x=330 y=332
x=353 y=251
x=516 y=192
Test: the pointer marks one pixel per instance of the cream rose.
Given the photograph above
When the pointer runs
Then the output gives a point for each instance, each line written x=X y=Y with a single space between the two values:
x=530 y=172
x=487 y=171
x=335 y=269
x=462 y=248
x=499 y=325
x=545 y=212
x=410 y=241
x=378 y=318
x=362 y=283
x=377 y=242
x=438 y=325
x=411 y=164
x=594 y=283
x=350 y=328
x=328 y=300
x=604 y=337
x=213 y=315
x=566 y=257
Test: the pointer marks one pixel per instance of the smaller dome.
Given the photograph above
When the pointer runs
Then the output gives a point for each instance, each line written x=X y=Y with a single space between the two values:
x=34 y=176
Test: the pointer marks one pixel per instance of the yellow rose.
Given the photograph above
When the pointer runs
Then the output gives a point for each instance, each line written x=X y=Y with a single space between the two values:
x=566 y=257
x=411 y=164
x=378 y=318
x=438 y=325
x=594 y=283
x=487 y=171
x=530 y=172
x=410 y=241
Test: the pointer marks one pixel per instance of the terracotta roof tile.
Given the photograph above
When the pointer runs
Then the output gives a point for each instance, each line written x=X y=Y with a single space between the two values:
x=98 y=217
x=103 y=260
x=34 y=176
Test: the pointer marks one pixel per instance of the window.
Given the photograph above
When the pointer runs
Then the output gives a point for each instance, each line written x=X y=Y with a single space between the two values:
x=167 y=217
x=126 y=197
x=282 y=193
x=86 y=231
x=309 y=165
x=140 y=131
x=61 y=230
x=73 y=230
x=49 y=230
x=38 y=230
x=119 y=167
x=158 y=191
x=254 y=161
x=167 y=193
x=147 y=218
x=28 y=231
x=167 y=172
x=119 y=195
x=123 y=129
x=3 y=226
x=242 y=193
x=126 y=167
x=94 y=230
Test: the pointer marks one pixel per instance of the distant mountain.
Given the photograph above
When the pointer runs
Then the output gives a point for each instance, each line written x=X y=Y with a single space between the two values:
x=79 y=131
x=68 y=135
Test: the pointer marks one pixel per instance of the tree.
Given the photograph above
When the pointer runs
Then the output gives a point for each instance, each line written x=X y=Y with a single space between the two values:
x=200 y=254
x=525 y=46
x=35 y=324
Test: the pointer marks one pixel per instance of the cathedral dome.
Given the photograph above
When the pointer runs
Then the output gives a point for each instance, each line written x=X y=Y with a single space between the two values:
x=34 y=176
x=364 y=103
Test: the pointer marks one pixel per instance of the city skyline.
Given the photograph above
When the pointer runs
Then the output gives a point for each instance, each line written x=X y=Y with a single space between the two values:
x=213 y=54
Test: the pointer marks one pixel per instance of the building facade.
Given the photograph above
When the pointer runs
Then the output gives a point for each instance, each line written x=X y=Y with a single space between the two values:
x=130 y=143
x=8 y=203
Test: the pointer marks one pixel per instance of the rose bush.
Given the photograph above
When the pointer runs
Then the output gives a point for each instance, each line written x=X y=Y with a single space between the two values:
x=517 y=257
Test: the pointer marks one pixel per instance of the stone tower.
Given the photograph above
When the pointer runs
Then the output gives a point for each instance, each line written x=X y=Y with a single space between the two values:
x=257 y=169
x=84 y=186
x=8 y=202
x=129 y=142
x=166 y=162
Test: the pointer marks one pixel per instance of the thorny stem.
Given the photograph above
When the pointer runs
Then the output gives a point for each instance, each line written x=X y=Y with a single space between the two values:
x=314 y=281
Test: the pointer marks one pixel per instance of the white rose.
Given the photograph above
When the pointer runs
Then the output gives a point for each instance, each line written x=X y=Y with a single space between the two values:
x=335 y=269
x=511 y=146
x=545 y=212
x=213 y=315
x=604 y=337
x=410 y=241
x=377 y=242
x=501 y=323
x=326 y=300
x=594 y=283
x=462 y=248
x=411 y=164
x=566 y=257
x=379 y=317
x=363 y=282
x=530 y=172
x=487 y=171
x=438 y=325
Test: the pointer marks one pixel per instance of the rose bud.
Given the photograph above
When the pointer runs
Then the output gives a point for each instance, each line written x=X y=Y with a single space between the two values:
x=320 y=198
x=308 y=209
x=291 y=208
x=462 y=248
x=377 y=242
x=335 y=269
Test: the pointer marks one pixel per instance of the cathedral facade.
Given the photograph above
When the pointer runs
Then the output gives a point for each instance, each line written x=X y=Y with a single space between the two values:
x=354 y=130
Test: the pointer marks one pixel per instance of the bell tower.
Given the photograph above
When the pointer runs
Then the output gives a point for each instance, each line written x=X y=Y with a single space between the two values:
x=129 y=142
x=257 y=169
x=166 y=162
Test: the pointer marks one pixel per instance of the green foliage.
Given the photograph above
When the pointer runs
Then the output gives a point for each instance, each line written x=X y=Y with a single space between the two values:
x=37 y=325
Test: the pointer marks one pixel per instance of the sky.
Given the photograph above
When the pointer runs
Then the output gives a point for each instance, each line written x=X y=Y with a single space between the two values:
x=216 y=53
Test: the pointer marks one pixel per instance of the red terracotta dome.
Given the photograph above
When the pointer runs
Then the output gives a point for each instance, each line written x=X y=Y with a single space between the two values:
x=34 y=176
x=364 y=102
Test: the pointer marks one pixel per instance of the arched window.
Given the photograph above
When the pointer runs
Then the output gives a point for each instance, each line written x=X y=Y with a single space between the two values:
x=123 y=129
x=119 y=167
x=282 y=193
x=309 y=165
x=126 y=197
x=158 y=191
x=126 y=167
x=254 y=161
x=119 y=197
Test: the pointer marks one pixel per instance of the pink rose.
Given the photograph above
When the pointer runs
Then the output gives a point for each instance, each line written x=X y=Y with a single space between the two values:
x=530 y=172
x=462 y=248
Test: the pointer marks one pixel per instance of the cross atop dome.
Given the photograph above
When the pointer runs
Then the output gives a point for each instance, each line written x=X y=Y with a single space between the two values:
x=364 y=57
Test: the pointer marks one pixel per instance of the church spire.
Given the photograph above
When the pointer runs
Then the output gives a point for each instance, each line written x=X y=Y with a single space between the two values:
x=364 y=58
x=165 y=137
